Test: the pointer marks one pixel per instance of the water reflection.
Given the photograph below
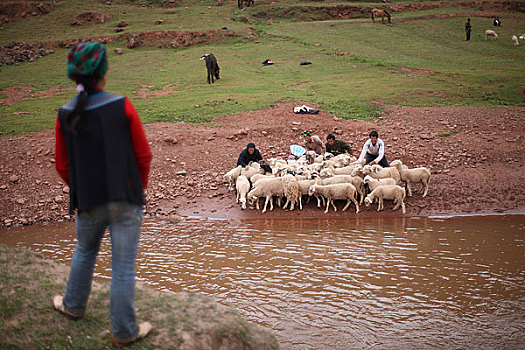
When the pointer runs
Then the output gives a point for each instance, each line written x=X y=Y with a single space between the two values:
x=336 y=284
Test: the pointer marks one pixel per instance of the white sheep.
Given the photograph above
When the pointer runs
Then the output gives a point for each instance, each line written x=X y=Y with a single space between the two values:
x=490 y=33
x=331 y=171
x=413 y=176
x=292 y=192
x=255 y=177
x=312 y=157
x=242 y=185
x=266 y=188
x=515 y=40
x=232 y=175
x=375 y=183
x=354 y=180
x=304 y=187
x=251 y=170
x=336 y=191
x=522 y=37
x=390 y=192
x=378 y=172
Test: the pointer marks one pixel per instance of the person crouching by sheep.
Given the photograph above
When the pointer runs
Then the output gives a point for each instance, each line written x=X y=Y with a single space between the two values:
x=336 y=146
x=374 y=151
x=252 y=154
x=313 y=143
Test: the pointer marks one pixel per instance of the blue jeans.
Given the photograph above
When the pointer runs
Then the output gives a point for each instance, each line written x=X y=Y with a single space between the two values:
x=124 y=221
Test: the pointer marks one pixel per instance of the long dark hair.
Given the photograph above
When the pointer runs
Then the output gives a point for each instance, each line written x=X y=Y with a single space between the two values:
x=74 y=119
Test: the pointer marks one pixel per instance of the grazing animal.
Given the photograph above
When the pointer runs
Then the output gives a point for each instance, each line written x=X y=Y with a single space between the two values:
x=490 y=33
x=390 y=192
x=381 y=13
x=515 y=40
x=212 y=66
x=248 y=3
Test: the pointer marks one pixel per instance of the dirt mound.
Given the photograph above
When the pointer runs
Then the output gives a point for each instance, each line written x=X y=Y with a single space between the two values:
x=12 y=10
x=90 y=18
x=17 y=52
x=310 y=13
x=157 y=38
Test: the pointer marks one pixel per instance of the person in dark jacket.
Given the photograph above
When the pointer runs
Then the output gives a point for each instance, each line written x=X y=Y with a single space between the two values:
x=497 y=22
x=468 y=29
x=102 y=154
x=249 y=154
x=336 y=146
x=252 y=154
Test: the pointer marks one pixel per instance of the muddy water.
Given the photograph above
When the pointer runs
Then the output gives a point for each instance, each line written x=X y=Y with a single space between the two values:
x=450 y=283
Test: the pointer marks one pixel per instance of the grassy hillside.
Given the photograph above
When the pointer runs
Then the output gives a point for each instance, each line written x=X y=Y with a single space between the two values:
x=355 y=63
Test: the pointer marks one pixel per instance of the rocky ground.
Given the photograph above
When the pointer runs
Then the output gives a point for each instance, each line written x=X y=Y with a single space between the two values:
x=475 y=155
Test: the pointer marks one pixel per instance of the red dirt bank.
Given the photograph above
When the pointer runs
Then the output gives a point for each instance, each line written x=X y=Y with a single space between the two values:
x=475 y=155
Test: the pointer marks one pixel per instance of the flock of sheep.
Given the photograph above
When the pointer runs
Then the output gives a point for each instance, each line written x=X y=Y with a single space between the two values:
x=493 y=35
x=327 y=178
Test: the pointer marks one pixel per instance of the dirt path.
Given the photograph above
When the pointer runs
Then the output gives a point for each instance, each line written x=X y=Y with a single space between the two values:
x=475 y=155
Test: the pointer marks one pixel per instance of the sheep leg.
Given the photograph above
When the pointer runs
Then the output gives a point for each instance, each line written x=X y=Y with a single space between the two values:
x=268 y=198
x=300 y=203
x=333 y=204
x=292 y=205
x=397 y=204
x=271 y=202
x=380 y=205
x=409 y=190
x=327 y=205
x=403 y=209
x=319 y=200
x=347 y=204
x=286 y=204
x=425 y=185
x=356 y=205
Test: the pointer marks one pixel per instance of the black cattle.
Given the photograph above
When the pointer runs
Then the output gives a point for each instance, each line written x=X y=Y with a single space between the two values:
x=212 y=66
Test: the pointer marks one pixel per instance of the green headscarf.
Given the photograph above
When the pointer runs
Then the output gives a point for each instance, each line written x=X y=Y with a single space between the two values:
x=87 y=62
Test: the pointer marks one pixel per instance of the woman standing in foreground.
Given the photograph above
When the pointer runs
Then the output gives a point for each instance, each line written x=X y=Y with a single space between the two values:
x=103 y=155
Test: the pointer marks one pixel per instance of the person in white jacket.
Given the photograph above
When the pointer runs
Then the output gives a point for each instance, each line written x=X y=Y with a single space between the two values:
x=374 y=151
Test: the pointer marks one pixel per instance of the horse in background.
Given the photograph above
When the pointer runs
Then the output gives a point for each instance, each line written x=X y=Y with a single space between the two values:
x=381 y=13
x=248 y=3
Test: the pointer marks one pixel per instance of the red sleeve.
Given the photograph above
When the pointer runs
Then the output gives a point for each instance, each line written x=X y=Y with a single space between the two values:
x=140 y=143
x=61 y=162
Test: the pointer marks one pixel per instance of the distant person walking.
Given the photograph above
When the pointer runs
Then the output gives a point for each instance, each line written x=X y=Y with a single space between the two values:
x=103 y=155
x=468 y=29
x=373 y=151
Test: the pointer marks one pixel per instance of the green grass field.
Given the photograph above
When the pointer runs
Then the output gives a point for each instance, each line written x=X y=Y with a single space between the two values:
x=354 y=62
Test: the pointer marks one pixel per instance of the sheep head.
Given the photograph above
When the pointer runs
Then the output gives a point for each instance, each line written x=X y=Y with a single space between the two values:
x=312 y=190
x=376 y=168
x=396 y=163
x=326 y=173
x=368 y=201
x=327 y=156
